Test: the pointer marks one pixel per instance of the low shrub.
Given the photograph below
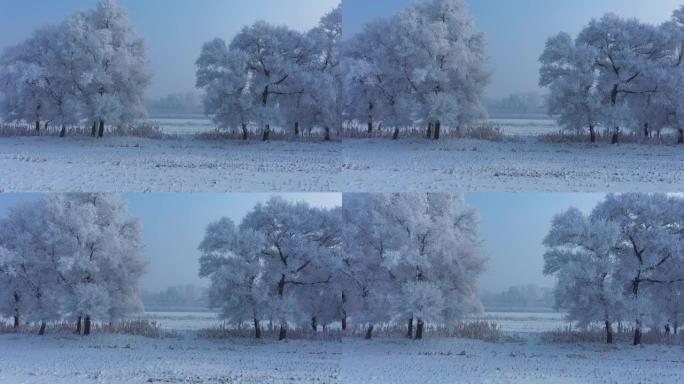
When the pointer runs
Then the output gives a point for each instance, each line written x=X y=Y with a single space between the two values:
x=269 y=332
x=622 y=336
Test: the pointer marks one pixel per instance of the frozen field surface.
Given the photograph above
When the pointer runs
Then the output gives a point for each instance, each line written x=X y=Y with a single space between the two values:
x=468 y=361
x=510 y=166
x=366 y=165
x=116 y=164
x=125 y=359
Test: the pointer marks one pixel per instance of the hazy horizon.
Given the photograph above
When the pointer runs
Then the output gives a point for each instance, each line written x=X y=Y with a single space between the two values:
x=512 y=226
x=176 y=29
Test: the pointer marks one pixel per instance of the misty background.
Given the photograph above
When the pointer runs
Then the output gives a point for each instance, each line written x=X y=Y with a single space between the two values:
x=176 y=29
x=512 y=226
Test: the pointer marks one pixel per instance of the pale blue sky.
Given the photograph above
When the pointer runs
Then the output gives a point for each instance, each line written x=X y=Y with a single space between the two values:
x=176 y=29
x=517 y=30
x=512 y=226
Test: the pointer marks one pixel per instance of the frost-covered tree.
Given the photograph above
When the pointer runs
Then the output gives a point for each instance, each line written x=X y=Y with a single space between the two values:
x=425 y=64
x=411 y=257
x=619 y=73
x=568 y=71
x=622 y=262
x=582 y=254
x=651 y=248
x=92 y=66
x=231 y=259
x=76 y=256
x=368 y=283
x=224 y=76
x=280 y=264
x=272 y=75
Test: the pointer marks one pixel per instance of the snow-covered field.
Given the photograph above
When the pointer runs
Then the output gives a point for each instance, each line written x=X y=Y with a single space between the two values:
x=185 y=358
x=183 y=164
x=130 y=164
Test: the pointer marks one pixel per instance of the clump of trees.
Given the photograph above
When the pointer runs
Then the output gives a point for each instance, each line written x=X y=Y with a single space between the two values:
x=274 y=76
x=623 y=263
x=89 y=69
x=619 y=74
x=380 y=259
x=75 y=257
x=423 y=67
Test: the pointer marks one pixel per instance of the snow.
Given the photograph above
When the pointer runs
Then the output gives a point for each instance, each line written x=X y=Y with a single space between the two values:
x=118 y=164
x=471 y=361
x=130 y=164
x=185 y=358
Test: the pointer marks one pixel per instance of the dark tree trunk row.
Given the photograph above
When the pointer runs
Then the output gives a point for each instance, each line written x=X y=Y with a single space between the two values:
x=245 y=132
x=296 y=128
x=100 y=132
x=419 y=329
x=592 y=134
x=78 y=325
x=16 y=321
x=327 y=134
x=314 y=323
x=369 y=332
x=86 y=326
x=93 y=129
x=609 y=332
x=282 y=335
x=257 y=329
x=438 y=127
x=409 y=333
x=267 y=133
x=43 y=325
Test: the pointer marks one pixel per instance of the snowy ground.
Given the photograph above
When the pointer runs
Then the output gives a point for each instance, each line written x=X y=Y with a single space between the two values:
x=184 y=164
x=116 y=164
x=186 y=359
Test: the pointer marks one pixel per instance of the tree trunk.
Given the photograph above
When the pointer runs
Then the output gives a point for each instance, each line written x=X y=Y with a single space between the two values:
x=370 y=126
x=675 y=327
x=668 y=330
x=93 y=130
x=46 y=126
x=245 y=132
x=327 y=134
x=86 y=326
x=616 y=136
x=78 y=325
x=296 y=128
x=592 y=134
x=257 y=329
x=344 y=313
x=681 y=137
x=369 y=332
x=282 y=335
x=267 y=133
x=429 y=131
x=419 y=329
x=37 y=125
x=16 y=321
x=100 y=133
x=409 y=334
x=62 y=132
x=41 y=332
x=438 y=128
x=395 y=136
x=637 y=333
x=314 y=323
x=646 y=131
x=609 y=332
